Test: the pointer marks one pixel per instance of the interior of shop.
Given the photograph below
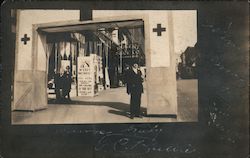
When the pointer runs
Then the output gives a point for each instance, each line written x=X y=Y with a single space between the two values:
x=108 y=50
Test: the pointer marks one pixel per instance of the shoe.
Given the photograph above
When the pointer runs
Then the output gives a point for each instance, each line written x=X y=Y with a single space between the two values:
x=131 y=116
x=140 y=116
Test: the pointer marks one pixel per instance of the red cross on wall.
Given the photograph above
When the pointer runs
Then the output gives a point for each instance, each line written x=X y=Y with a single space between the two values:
x=159 y=29
x=25 y=39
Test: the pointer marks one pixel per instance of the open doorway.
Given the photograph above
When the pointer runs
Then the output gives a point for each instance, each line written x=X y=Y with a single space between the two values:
x=97 y=54
x=97 y=62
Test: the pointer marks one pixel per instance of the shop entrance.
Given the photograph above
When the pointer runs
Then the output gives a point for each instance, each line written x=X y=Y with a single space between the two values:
x=97 y=54
x=97 y=57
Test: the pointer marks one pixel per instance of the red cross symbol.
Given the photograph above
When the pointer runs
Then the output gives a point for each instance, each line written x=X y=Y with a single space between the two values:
x=159 y=29
x=25 y=39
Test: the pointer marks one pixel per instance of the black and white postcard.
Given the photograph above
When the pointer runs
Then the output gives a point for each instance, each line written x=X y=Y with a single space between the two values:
x=123 y=79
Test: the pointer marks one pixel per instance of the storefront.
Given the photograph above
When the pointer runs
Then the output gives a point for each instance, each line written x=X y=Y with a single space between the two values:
x=97 y=58
x=105 y=45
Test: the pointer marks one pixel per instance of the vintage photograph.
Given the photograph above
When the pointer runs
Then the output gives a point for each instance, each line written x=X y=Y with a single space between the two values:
x=119 y=66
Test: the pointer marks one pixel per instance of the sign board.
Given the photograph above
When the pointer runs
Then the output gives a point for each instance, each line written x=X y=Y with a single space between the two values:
x=86 y=78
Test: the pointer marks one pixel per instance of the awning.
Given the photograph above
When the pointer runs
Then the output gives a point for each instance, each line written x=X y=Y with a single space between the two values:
x=89 y=25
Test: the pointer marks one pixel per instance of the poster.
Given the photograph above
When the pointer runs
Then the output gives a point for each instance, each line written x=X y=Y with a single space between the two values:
x=86 y=79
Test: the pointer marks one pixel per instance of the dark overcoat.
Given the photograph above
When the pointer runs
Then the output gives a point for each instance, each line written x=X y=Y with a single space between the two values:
x=135 y=89
x=134 y=82
x=67 y=80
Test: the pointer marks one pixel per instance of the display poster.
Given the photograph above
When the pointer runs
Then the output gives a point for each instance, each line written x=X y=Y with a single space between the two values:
x=85 y=76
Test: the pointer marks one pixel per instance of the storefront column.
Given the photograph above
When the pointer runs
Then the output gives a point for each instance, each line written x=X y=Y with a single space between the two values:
x=161 y=77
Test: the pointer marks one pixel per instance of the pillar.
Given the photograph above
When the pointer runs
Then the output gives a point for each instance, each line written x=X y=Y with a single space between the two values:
x=161 y=76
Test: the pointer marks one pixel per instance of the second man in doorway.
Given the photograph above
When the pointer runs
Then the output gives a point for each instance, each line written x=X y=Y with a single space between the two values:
x=67 y=80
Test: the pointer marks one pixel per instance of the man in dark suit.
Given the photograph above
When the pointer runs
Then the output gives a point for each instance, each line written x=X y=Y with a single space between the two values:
x=67 y=80
x=135 y=89
x=58 y=86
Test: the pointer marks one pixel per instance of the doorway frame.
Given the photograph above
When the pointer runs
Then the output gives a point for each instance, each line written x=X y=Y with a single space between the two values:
x=38 y=27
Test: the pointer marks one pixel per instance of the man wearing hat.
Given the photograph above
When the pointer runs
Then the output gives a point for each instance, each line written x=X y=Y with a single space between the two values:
x=135 y=89
x=67 y=80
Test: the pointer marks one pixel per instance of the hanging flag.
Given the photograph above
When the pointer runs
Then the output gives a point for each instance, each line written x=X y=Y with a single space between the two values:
x=61 y=48
x=114 y=36
x=67 y=49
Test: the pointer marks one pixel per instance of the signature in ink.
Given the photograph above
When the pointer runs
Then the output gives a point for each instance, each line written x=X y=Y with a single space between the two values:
x=140 y=140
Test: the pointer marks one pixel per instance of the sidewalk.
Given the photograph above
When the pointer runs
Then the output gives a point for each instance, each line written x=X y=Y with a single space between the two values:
x=110 y=106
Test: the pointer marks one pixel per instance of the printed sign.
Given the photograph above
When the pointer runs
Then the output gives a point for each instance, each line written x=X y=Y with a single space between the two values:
x=85 y=76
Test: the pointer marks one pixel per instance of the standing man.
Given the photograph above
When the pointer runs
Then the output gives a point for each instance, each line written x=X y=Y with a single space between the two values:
x=135 y=89
x=57 y=86
x=67 y=83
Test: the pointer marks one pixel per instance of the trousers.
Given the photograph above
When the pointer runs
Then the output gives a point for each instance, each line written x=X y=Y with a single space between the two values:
x=135 y=103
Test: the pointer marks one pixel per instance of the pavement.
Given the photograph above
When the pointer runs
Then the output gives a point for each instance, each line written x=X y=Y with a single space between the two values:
x=111 y=106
